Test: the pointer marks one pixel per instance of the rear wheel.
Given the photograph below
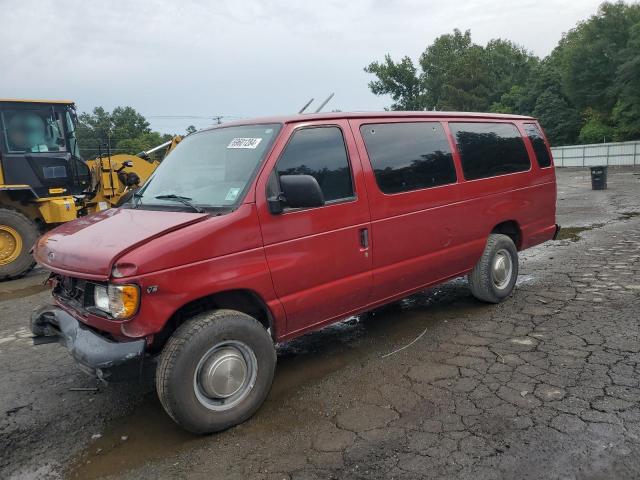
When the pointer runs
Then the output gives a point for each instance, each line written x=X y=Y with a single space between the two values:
x=494 y=276
x=215 y=371
x=18 y=234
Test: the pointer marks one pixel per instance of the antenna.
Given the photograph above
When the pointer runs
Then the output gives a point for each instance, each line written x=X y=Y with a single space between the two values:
x=325 y=102
x=305 y=106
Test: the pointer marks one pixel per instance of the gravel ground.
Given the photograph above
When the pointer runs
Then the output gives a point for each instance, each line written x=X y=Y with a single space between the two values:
x=544 y=385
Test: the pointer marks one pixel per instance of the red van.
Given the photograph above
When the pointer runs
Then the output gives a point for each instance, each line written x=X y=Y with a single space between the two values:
x=255 y=232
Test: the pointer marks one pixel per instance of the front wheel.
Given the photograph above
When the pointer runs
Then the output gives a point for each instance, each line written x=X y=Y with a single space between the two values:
x=17 y=235
x=215 y=371
x=494 y=276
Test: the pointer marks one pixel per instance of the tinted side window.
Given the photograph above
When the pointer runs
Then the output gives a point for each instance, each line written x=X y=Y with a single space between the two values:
x=409 y=156
x=490 y=149
x=319 y=152
x=539 y=147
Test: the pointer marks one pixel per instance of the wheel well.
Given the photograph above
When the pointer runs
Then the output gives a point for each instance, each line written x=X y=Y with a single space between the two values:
x=511 y=229
x=244 y=301
x=18 y=200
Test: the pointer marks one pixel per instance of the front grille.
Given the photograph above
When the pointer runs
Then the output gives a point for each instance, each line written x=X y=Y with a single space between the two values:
x=75 y=292
x=72 y=288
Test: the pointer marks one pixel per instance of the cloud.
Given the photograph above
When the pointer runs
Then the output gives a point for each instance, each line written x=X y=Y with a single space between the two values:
x=242 y=58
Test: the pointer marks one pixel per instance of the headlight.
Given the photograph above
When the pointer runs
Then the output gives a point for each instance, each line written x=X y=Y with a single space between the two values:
x=119 y=301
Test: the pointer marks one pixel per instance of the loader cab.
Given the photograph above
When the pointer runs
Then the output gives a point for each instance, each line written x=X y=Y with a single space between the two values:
x=39 y=149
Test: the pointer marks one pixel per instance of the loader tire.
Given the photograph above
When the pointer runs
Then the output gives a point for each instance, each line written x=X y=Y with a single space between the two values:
x=18 y=235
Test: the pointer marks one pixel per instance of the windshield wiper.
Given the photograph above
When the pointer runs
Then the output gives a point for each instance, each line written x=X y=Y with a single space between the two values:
x=184 y=200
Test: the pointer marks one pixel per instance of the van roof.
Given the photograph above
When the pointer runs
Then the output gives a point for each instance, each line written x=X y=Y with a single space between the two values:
x=307 y=117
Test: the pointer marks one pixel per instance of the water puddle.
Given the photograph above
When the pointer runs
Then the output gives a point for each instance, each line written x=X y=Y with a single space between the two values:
x=145 y=434
x=148 y=433
x=525 y=279
x=573 y=233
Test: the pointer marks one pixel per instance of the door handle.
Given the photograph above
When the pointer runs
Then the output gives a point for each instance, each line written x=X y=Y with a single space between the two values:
x=364 y=237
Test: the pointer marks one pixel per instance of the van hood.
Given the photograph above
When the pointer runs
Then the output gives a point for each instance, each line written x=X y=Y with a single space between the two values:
x=90 y=245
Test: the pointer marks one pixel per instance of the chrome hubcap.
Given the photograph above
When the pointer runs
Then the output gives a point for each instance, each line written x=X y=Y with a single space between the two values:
x=502 y=269
x=225 y=375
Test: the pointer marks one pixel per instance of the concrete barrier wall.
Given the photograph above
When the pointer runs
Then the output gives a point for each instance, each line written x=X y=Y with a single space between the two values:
x=618 y=153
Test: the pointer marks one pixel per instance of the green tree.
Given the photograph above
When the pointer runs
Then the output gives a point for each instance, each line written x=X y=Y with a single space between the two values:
x=591 y=53
x=509 y=66
x=128 y=123
x=93 y=129
x=469 y=85
x=517 y=100
x=400 y=81
x=626 y=112
x=142 y=142
x=559 y=119
x=455 y=74
x=438 y=62
x=594 y=129
x=586 y=89
x=191 y=129
x=101 y=127
x=124 y=129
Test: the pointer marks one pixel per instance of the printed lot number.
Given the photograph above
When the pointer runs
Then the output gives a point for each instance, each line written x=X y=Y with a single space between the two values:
x=244 y=143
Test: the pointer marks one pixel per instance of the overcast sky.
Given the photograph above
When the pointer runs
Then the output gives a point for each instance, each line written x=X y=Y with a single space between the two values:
x=242 y=58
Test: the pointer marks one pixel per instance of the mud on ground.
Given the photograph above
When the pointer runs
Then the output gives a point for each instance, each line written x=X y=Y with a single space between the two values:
x=544 y=385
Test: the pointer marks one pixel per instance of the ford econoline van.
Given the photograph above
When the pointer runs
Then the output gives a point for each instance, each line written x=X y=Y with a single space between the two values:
x=253 y=233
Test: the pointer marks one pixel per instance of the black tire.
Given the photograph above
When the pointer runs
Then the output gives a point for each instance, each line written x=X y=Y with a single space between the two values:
x=482 y=281
x=28 y=233
x=184 y=352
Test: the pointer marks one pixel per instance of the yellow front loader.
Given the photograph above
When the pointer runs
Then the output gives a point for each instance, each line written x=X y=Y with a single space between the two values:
x=116 y=177
x=45 y=182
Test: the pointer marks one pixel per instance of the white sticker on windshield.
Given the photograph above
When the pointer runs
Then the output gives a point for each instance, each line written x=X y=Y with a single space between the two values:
x=244 y=142
x=232 y=194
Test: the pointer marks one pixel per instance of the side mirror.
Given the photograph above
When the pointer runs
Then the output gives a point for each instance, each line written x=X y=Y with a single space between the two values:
x=298 y=191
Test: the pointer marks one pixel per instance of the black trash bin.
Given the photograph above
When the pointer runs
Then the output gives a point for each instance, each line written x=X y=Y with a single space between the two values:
x=599 y=178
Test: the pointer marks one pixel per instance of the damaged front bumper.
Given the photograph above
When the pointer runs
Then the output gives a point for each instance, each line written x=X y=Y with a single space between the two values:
x=95 y=354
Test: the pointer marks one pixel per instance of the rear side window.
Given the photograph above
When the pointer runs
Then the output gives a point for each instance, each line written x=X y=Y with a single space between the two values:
x=539 y=147
x=409 y=156
x=321 y=153
x=490 y=149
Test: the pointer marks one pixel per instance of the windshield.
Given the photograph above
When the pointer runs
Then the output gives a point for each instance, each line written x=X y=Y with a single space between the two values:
x=209 y=169
x=33 y=129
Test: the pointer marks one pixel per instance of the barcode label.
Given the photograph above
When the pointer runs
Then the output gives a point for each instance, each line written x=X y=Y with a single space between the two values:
x=244 y=143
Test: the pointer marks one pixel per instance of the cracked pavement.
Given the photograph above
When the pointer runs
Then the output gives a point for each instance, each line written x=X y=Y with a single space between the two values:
x=543 y=385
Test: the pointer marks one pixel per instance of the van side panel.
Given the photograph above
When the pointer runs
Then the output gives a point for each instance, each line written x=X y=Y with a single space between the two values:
x=543 y=227
x=528 y=198
x=319 y=267
x=425 y=236
x=415 y=235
